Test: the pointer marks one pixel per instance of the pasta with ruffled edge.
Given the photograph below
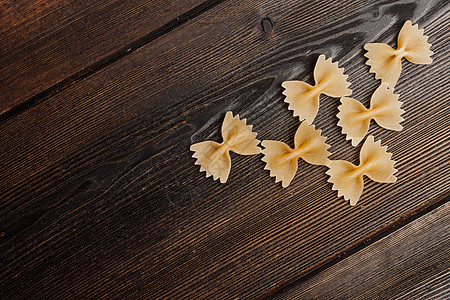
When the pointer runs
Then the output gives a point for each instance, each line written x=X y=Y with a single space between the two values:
x=385 y=109
x=303 y=98
x=282 y=161
x=214 y=158
x=386 y=63
x=375 y=163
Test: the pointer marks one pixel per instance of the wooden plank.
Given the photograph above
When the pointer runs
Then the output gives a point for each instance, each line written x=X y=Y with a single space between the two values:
x=100 y=193
x=43 y=43
x=411 y=263
x=435 y=287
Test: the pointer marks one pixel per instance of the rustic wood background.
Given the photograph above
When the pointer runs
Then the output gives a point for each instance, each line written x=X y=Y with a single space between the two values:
x=99 y=195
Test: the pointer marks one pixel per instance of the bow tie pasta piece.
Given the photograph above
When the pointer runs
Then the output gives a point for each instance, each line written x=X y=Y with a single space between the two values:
x=375 y=163
x=386 y=63
x=282 y=161
x=303 y=98
x=214 y=158
x=354 y=118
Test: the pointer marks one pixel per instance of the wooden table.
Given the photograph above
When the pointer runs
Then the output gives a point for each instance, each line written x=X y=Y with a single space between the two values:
x=100 y=198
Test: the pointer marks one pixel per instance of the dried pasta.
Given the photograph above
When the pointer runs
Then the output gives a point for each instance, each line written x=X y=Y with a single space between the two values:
x=214 y=158
x=386 y=63
x=282 y=161
x=303 y=98
x=375 y=163
x=354 y=118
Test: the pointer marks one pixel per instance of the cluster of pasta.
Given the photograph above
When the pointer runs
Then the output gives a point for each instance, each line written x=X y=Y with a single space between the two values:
x=354 y=118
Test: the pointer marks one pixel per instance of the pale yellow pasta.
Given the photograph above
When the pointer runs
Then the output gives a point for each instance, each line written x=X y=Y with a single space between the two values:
x=375 y=163
x=282 y=161
x=386 y=63
x=385 y=109
x=214 y=158
x=303 y=98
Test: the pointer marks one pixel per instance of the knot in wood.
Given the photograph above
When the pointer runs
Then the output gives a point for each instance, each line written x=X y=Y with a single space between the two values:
x=266 y=25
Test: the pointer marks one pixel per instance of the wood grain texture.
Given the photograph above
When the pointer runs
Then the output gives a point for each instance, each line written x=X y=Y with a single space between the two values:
x=435 y=287
x=44 y=42
x=100 y=195
x=411 y=263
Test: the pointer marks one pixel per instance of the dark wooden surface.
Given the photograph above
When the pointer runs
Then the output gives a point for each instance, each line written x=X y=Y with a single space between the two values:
x=47 y=42
x=411 y=263
x=100 y=195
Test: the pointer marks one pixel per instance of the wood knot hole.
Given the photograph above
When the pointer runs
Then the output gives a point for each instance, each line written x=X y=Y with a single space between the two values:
x=266 y=25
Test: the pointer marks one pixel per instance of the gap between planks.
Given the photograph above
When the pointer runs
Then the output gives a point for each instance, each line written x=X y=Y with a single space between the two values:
x=102 y=63
x=358 y=246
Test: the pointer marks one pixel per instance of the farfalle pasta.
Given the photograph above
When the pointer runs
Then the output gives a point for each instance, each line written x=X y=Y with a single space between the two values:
x=214 y=158
x=282 y=161
x=375 y=163
x=303 y=98
x=386 y=63
x=354 y=119
x=385 y=109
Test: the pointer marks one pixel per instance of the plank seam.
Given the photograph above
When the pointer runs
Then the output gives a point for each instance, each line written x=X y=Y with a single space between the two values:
x=102 y=63
x=371 y=239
